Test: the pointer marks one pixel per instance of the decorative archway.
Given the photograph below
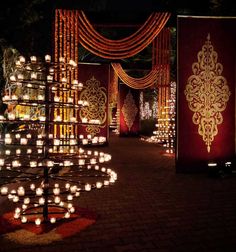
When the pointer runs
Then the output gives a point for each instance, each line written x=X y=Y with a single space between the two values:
x=72 y=28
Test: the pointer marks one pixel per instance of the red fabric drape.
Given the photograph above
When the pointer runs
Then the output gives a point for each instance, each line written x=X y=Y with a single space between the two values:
x=192 y=150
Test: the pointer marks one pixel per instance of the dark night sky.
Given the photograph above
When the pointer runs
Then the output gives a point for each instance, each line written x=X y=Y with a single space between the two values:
x=27 y=24
x=135 y=11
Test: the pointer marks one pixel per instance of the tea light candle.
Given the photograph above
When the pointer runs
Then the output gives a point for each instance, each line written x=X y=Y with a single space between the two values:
x=64 y=80
x=17 y=136
x=11 y=116
x=53 y=220
x=80 y=102
x=70 y=197
x=29 y=151
x=67 y=163
x=58 y=119
x=41 y=97
x=4 y=190
x=23 y=219
x=16 y=215
x=2 y=161
x=20 y=77
x=39 y=142
x=87 y=187
x=33 y=59
x=57 y=199
x=23 y=141
x=85 y=103
x=26 y=201
x=56 y=142
x=72 y=142
x=67 y=215
x=62 y=60
x=14 y=97
x=56 y=191
x=47 y=58
x=2 y=118
x=73 y=119
x=26 y=117
x=22 y=59
x=41 y=201
x=92 y=161
x=106 y=182
x=39 y=191
x=72 y=210
x=56 y=98
x=81 y=161
x=33 y=76
x=50 y=78
x=15 y=198
x=98 y=185
x=21 y=191
x=38 y=222
x=72 y=63
x=70 y=100
x=32 y=187
x=73 y=189
x=15 y=163
x=8 y=140
x=28 y=136
x=85 y=141
x=50 y=163
x=7 y=152
x=80 y=85
x=33 y=163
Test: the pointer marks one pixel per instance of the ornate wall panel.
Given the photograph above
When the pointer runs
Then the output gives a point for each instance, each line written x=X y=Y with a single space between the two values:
x=129 y=111
x=206 y=91
x=95 y=78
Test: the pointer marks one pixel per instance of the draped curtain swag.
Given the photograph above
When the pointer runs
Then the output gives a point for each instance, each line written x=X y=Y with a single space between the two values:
x=136 y=83
x=122 y=48
x=73 y=28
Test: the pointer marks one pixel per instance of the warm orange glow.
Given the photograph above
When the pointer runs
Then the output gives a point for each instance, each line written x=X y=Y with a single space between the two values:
x=137 y=83
x=123 y=48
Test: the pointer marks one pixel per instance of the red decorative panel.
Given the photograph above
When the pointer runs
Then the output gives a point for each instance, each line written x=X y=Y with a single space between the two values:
x=129 y=111
x=95 y=78
x=206 y=91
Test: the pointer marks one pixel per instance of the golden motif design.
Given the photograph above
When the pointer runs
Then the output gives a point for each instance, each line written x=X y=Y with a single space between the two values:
x=97 y=99
x=129 y=110
x=207 y=93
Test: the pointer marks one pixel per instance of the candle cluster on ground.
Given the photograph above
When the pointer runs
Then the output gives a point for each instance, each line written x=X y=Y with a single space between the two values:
x=165 y=133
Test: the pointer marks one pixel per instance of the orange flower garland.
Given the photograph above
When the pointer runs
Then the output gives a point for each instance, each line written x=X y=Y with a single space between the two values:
x=136 y=83
x=122 y=48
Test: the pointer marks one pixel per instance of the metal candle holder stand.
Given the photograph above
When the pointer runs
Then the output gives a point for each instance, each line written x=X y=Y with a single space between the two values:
x=54 y=168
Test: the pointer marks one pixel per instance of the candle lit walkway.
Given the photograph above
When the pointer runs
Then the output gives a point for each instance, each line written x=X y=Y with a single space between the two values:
x=151 y=208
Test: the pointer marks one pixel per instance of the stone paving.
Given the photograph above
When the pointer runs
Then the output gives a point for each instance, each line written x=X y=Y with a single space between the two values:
x=152 y=208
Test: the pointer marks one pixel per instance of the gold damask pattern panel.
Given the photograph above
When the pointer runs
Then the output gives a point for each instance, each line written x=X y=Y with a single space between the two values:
x=97 y=98
x=129 y=110
x=207 y=93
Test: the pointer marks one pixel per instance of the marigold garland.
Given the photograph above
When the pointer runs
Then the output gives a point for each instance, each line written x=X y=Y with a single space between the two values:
x=73 y=27
x=136 y=83
x=122 y=48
